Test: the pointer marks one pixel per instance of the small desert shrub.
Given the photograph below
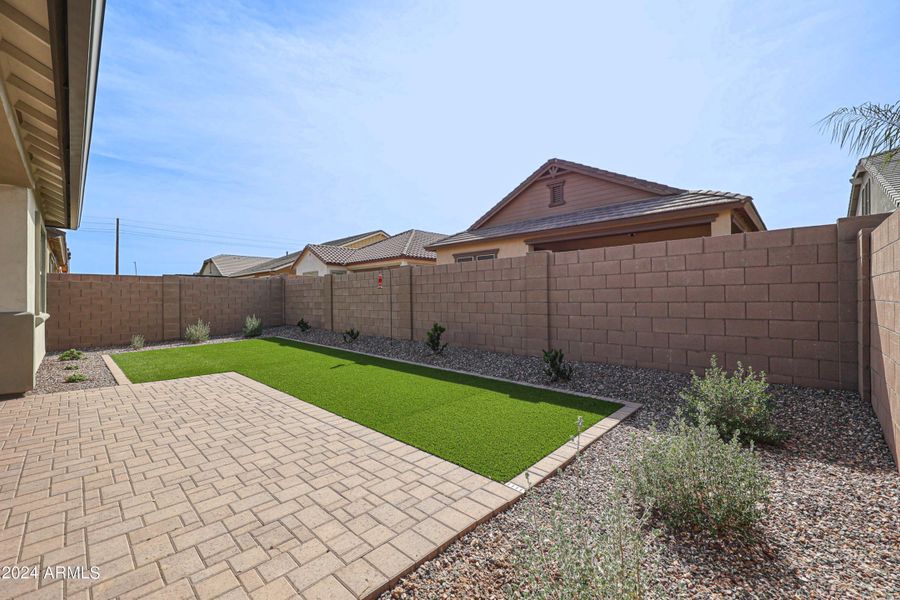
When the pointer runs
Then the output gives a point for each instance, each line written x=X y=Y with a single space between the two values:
x=433 y=339
x=197 y=332
x=570 y=550
x=137 y=342
x=252 y=326
x=350 y=335
x=303 y=325
x=70 y=368
x=75 y=378
x=72 y=354
x=556 y=367
x=692 y=479
x=731 y=404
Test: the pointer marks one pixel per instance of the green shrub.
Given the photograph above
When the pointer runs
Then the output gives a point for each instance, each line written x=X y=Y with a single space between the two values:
x=573 y=551
x=433 y=339
x=137 y=342
x=692 y=479
x=252 y=326
x=738 y=403
x=197 y=332
x=75 y=378
x=72 y=354
x=556 y=367
x=303 y=325
x=350 y=335
x=70 y=368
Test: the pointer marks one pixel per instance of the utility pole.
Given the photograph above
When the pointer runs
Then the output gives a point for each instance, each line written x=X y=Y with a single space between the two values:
x=135 y=267
x=117 y=245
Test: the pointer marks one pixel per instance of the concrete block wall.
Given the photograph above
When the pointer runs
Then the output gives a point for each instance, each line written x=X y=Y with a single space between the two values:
x=303 y=299
x=772 y=300
x=100 y=310
x=885 y=329
x=357 y=302
x=482 y=304
x=225 y=303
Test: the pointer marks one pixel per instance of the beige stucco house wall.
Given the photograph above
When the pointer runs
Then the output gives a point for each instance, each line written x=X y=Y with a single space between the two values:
x=875 y=186
x=48 y=71
x=23 y=271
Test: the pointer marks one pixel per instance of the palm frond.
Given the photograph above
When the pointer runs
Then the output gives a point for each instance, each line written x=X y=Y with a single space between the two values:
x=866 y=129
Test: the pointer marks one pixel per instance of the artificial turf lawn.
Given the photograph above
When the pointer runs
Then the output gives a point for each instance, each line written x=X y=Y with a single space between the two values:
x=491 y=427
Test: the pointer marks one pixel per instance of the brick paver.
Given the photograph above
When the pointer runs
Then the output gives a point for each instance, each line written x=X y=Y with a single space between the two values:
x=218 y=487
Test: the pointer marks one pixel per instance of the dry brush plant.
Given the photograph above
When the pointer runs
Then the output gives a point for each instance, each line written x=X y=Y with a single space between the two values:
x=574 y=552
x=691 y=479
x=197 y=332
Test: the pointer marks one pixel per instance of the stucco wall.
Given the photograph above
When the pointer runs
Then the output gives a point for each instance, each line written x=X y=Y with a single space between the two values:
x=21 y=314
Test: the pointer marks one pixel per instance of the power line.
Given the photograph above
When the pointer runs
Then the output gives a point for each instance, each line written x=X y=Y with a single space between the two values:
x=153 y=226
x=181 y=238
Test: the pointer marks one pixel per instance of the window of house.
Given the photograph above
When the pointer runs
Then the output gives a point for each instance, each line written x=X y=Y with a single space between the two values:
x=472 y=256
x=556 y=193
x=866 y=200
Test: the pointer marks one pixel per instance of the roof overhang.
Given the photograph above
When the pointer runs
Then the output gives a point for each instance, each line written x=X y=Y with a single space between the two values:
x=56 y=239
x=617 y=228
x=49 y=57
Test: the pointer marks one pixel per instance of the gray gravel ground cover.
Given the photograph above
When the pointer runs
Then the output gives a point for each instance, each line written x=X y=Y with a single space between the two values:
x=832 y=531
x=52 y=373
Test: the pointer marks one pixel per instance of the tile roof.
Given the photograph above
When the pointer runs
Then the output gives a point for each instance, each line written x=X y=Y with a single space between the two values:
x=600 y=214
x=229 y=264
x=331 y=254
x=352 y=238
x=272 y=264
x=886 y=171
x=408 y=244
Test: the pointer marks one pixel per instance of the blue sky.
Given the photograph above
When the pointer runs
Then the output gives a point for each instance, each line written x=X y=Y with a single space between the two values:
x=255 y=128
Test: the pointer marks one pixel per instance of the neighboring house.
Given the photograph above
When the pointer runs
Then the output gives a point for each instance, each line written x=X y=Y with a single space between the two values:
x=236 y=265
x=226 y=265
x=407 y=248
x=49 y=53
x=284 y=265
x=567 y=206
x=269 y=268
x=875 y=185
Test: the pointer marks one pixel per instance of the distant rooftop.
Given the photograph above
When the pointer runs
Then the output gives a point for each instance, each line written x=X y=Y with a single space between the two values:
x=408 y=244
x=353 y=238
x=229 y=264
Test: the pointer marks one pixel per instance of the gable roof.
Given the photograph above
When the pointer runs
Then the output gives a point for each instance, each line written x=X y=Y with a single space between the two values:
x=272 y=264
x=353 y=238
x=559 y=166
x=229 y=264
x=408 y=244
x=885 y=170
x=600 y=214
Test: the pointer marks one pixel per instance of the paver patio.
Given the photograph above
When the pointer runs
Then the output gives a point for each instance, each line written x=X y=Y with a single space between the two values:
x=218 y=487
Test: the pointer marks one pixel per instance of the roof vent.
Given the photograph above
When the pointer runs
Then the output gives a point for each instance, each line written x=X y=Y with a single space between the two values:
x=556 y=193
